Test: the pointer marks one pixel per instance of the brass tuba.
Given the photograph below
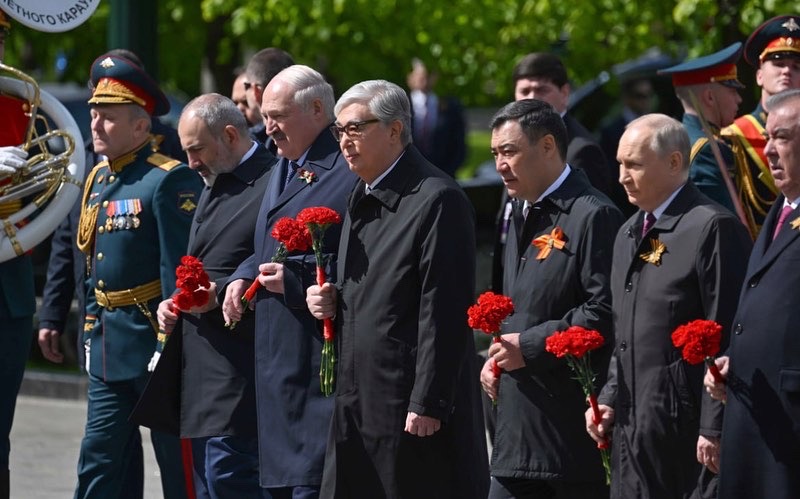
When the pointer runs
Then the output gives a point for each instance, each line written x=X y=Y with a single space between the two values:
x=35 y=198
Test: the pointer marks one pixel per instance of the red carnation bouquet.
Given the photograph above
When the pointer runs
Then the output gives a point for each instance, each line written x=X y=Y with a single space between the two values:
x=192 y=284
x=487 y=314
x=317 y=219
x=699 y=341
x=291 y=236
x=575 y=345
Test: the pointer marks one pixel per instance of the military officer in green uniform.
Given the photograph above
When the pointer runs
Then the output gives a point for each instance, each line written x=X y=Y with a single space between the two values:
x=137 y=208
x=774 y=50
x=708 y=88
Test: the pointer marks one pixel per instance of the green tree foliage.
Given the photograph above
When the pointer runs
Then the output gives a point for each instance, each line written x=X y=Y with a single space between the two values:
x=473 y=44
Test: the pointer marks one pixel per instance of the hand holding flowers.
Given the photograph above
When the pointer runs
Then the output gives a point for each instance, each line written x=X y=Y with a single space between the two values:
x=575 y=345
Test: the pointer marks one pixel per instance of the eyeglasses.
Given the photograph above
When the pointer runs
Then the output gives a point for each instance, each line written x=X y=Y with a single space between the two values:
x=353 y=130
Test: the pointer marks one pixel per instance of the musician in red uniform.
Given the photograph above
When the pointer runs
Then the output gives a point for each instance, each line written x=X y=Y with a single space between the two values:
x=774 y=50
x=17 y=302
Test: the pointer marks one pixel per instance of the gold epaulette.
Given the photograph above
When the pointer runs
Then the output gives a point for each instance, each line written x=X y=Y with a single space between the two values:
x=164 y=162
x=699 y=143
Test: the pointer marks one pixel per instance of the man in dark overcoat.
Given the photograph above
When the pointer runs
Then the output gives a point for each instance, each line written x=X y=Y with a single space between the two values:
x=293 y=414
x=557 y=267
x=761 y=432
x=203 y=386
x=407 y=420
x=687 y=264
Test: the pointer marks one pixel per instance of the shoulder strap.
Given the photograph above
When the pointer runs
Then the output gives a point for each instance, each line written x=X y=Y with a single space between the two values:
x=162 y=161
x=699 y=143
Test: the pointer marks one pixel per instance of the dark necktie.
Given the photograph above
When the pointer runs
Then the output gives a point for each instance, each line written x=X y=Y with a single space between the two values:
x=290 y=167
x=649 y=220
x=781 y=220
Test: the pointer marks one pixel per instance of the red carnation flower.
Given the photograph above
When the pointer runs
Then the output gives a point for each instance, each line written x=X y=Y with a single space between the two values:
x=319 y=215
x=293 y=235
x=575 y=344
x=487 y=315
x=317 y=219
x=489 y=312
x=699 y=341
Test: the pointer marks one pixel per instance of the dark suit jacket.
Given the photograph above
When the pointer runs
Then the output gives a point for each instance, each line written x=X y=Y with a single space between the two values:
x=292 y=412
x=656 y=395
x=540 y=428
x=582 y=154
x=204 y=383
x=761 y=433
x=444 y=144
x=406 y=279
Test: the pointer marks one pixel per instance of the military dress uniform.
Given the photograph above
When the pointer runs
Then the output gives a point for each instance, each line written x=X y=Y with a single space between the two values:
x=775 y=40
x=705 y=171
x=134 y=228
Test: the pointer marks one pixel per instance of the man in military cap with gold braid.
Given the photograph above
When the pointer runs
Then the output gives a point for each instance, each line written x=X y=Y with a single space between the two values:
x=137 y=208
x=774 y=49
x=17 y=299
x=708 y=88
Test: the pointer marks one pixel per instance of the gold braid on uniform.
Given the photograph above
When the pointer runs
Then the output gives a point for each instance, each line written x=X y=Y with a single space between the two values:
x=752 y=202
x=88 y=221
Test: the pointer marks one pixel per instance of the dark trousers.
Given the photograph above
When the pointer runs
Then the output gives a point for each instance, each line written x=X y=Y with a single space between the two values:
x=299 y=492
x=519 y=488
x=15 y=345
x=109 y=448
x=226 y=467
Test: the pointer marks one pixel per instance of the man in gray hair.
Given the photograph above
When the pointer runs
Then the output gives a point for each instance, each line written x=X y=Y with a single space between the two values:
x=680 y=258
x=407 y=420
x=293 y=414
x=205 y=371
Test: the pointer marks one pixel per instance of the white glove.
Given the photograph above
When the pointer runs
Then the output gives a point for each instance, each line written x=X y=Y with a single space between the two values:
x=12 y=158
x=86 y=351
x=153 y=361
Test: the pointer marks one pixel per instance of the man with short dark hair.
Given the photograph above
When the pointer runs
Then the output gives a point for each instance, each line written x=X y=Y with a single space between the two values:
x=557 y=263
x=239 y=97
x=262 y=67
x=542 y=76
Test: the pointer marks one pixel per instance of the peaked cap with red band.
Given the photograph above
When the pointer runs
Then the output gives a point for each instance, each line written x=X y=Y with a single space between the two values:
x=117 y=80
x=719 y=67
x=777 y=38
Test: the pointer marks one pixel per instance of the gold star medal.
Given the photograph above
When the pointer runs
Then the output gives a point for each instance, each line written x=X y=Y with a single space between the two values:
x=654 y=256
x=795 y=223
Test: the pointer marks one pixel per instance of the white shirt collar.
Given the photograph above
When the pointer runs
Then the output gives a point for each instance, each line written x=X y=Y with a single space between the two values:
x=368 y=188
x=663 y=206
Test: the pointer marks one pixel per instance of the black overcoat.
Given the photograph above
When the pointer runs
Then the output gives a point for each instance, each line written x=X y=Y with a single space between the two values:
x=540 y=432
x=656 y=395
x=204 y=383
x=761 y=432
x=406 y=279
